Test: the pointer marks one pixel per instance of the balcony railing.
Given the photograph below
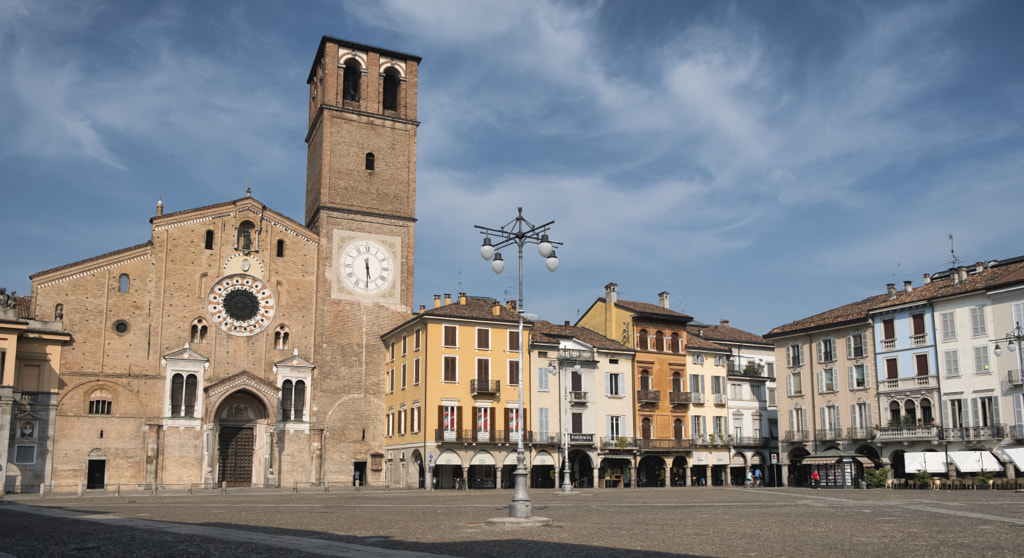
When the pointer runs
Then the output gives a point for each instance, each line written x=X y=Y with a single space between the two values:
x=712 y=440
x=578 y=396
x=916 y=382
x=864 y=433
x=679 y=397
x=829 y=434
x=750 y=441
x=796 y=436
x=648 y=396
x=1015 y=431
x=888 y=344
x=1015 y=378
x=994 y=432
x=894 y=433
x=919 y=340
x=493 y=437
x=619 y=442
x=482 y=387
x=719 y=399
x=577 y=355
x=664 y=443
x=698 y=398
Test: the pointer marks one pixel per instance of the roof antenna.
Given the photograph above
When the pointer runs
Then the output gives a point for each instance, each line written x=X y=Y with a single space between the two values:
x=952 y=254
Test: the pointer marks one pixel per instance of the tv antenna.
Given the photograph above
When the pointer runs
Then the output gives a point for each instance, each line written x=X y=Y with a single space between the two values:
x=952 y=253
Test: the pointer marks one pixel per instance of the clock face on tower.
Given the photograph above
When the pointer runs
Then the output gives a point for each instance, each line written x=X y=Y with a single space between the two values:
x=367 y=267
x=241 y=305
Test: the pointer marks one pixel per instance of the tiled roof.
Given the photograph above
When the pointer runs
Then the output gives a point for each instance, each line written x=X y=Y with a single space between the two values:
x=547 y=332
x=727 y=333
x=652 y=310
x=696 y=342
x=475 y=308
x=991 y=276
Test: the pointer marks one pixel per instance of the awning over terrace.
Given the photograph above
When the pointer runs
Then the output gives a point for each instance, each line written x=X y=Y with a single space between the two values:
x=930 y=461
x=1016 y=455
x=975 y=461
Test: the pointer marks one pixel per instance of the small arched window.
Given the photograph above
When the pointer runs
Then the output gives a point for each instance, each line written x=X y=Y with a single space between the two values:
x=281 y=337
x=100 y=403
x=209 y=240
x=183 y=395
x=370 y=162
x=677 y=429
x=122 y=283
x=677 y=382
x=645 y=380
x=659 y=341
x=245 y=240
x=350 y=80
x=198 y=331
x=293 y=400
x=280 y=247
x=391 y=84
x=641 y=340
x=675 y=343
x=645 y=429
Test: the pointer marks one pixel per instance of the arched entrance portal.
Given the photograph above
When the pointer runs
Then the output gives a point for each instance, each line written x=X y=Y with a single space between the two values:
x=651 y=471
x=582 y=469
x=241 y=427
x=679 y=471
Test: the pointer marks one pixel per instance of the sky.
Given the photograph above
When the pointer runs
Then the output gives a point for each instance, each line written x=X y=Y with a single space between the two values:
x=759 y=161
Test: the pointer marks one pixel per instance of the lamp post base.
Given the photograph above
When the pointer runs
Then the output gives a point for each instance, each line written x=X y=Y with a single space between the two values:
x=520 y=506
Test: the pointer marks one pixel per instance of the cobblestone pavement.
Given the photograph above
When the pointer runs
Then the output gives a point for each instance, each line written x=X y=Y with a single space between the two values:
x=630 y=523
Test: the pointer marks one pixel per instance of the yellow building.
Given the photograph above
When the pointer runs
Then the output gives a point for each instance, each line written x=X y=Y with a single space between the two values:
x=709 y=411
x=658 y=334
x=30 y=352
x=452 y=401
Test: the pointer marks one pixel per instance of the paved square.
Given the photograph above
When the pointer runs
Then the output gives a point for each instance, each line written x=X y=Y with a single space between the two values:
x=638 y=522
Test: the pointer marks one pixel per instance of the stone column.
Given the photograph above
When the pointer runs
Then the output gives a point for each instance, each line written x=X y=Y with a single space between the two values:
x=784 y=475
x=465 y=477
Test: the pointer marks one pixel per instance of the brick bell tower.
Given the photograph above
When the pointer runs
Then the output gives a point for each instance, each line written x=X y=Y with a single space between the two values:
x=361 y=201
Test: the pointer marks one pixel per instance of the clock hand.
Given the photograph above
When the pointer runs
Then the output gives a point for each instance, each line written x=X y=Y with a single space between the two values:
x=367 y=262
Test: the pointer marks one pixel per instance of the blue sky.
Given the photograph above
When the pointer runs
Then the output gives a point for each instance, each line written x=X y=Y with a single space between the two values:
x=760 y=161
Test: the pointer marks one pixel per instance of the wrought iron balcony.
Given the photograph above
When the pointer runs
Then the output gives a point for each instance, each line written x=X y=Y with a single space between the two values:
x=680 y=397
x=750 y=441
x=994 y=432
x=619 y=442
x=664 y=444
x=713 y=440
x=829 y=434
x=472 y=436
x=1015 y=377
x=796 y=436
x=648 y=396
x=698 y=398
x=719 y=399
x=478 y=387
x=864 y=433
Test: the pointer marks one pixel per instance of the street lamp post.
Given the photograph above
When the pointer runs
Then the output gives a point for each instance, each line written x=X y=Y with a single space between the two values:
x=519 y=232
x=566 y=479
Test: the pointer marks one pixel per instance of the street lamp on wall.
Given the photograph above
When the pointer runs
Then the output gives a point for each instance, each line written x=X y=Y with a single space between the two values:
x=1015 y=343
x=519 y=232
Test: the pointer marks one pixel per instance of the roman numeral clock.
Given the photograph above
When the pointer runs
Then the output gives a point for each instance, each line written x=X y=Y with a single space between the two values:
x=366 y=267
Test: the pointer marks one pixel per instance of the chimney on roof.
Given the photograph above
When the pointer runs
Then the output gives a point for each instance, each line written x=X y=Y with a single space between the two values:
x=447 y=299
x=462 y=299
x=979 y=267
x=511 y=305
x=891 y=287
x=963 y=273
x=159 y=207
x=495 y=308
x=954 y=277
x=724 y=321
x=566 y=323
x=663 y=299
x=422 y=308
x=437 y=301
x=927 y=278
x=907 y=288
x=611 y=293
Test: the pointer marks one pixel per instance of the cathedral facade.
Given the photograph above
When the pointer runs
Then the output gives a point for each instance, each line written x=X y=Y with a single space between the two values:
x=238 y=345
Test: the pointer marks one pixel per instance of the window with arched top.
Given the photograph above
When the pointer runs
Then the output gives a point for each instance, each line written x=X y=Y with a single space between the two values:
x=392 y=81
x=371 y=162
x=122 y=283
x=645 y=429
x=183 y=395
x=198 y=331
x=677 y=429
x=645 y=380
x=350 y=80
x=677 y=382
x=100 y=402
x=293 y=400
x=209 y=240
x=281 y=337
x=659 y=341
x=641 y=340
x=675 y=343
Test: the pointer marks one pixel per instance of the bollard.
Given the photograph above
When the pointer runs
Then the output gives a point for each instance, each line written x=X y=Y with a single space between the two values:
x=327 y=486
x=189 y=489
x=80 y=486
x=117 y=489
x=154 y=489
x=42 y=490
x=295 y=487
x=224 y=487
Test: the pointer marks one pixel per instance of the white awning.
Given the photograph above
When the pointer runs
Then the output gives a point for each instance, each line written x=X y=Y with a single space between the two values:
x=975 y=461
x=482 y=458
x=1016 y=455
x=510 y=459
x=542 y=458
x=449 y=458
x=930 y=461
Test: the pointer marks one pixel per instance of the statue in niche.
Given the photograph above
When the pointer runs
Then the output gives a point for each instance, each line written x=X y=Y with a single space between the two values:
x=28 y=429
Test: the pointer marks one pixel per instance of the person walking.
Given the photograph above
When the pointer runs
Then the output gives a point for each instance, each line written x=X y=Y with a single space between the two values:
x=355 y=480
x=816 y=480
x=757 y=477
